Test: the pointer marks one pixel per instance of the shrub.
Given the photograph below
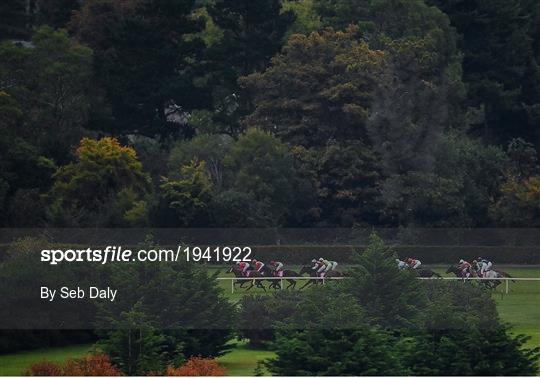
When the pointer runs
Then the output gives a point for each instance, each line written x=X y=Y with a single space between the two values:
x=44 y=369
x=92 y=365
x=197 y=366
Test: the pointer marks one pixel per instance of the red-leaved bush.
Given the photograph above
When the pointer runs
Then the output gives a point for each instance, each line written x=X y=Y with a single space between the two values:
x=44 y=369
x=197 y=366
x=91 y=365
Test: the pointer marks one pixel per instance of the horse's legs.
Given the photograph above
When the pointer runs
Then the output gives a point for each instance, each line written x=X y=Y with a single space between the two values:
x=306 y=284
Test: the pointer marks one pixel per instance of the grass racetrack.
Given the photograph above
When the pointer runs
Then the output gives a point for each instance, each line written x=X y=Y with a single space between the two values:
x=17 y=363
x=520 y=307
x=242 y=361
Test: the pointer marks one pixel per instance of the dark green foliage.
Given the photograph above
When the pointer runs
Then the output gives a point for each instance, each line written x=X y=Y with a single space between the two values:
x=146 y=59
x=262 y=167
x=341 y=13
x=347 y=175
x=52 y=78
x=423 y=199
x=204 y=147
x=473 y=352
x=262 y=317
x=189 y=196
x=463 y=335
x=477 y=171
x=55 y=13
x=137 y=348
x=13 y=19
x=397 y=326
x=23 y=171
x=392 y=297
x=500 y=64
x=175 y=310
x=362 y=351
x=523 y=159
x=23 y=274
x=253 y=32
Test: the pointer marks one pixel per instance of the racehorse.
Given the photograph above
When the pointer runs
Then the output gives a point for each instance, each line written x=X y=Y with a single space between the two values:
x=252 y=274
x=238 y=274
x=493 y=276
x=503 y=274
x=266 y=271
x=427 y=273
x=458 y=272
x=493 y=282
x=288 y=273
x=313 y=273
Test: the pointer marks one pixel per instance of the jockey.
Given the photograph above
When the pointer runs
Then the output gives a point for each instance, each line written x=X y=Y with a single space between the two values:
x=278 y=268
x=483 y=265
x=326 y=266
x=243 y=266
x=257 y=265
x=413 y=263
x=315 y=264
x=465 y=268
x=401 y=264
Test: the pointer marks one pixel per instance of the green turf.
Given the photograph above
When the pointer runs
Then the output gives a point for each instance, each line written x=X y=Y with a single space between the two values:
x=521 y=306
x=17 y=363
x=242 y=361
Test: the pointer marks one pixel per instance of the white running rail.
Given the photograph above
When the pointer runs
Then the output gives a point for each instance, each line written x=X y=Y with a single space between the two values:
x=281 y=279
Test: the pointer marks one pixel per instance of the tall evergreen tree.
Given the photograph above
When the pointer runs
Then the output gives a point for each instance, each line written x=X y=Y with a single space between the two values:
x=147 y=58
x=253 y=32
x=500 y=64
x=392 y=298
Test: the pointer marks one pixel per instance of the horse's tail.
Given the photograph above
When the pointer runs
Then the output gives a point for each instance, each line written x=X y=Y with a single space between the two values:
x=504 y=274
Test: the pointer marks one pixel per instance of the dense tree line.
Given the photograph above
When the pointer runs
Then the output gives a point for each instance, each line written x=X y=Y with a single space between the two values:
x=306 y=113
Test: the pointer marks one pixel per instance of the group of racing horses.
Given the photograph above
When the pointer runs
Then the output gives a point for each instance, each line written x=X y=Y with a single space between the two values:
x=286 y=275
x=255 y=276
